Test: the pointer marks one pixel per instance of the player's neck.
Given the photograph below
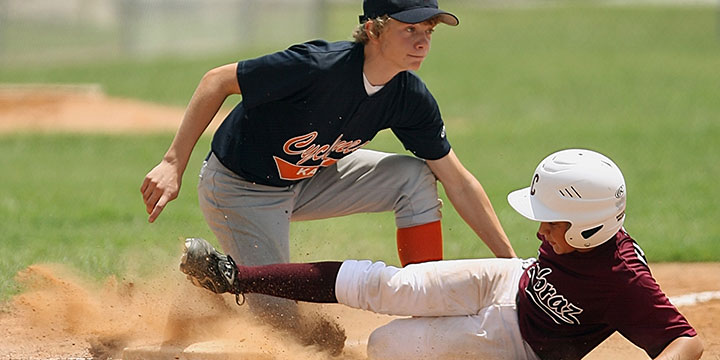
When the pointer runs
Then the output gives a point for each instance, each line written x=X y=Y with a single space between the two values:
x=376 y=68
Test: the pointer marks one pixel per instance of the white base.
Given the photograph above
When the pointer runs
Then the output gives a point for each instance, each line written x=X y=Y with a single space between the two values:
x=209 y=350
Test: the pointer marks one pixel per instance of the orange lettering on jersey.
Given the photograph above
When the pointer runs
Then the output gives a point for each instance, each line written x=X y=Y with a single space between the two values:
x=289 y=171
x=299 y=142
x=304 y=147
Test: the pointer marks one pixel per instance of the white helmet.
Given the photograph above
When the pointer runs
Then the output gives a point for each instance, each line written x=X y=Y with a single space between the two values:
x=582 y=187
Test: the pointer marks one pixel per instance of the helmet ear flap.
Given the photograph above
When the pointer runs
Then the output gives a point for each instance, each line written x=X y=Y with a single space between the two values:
x=584 y=239
x=586 y=234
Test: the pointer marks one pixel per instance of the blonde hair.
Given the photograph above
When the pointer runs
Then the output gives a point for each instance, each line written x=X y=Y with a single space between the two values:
x=378 y=24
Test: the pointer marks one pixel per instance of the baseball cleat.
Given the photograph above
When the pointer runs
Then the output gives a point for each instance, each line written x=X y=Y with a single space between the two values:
x=207 y=268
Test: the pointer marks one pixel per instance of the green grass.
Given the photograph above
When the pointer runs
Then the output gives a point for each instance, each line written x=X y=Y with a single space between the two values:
x=636 y=83
x=75 y=200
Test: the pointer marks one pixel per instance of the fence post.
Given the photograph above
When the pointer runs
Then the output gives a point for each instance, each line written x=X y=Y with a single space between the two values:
x=128 y=16
x=320 y=17
x=4 y=9
x=247 y=23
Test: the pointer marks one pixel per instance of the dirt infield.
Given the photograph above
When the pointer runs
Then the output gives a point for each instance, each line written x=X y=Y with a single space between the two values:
x=80 y=108
x=61 y=316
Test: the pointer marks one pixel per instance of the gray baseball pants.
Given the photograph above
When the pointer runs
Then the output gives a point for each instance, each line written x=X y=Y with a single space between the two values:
x=252 y=221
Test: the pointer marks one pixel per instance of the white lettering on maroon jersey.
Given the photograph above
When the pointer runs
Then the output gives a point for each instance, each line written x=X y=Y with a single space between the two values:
x=545 y=296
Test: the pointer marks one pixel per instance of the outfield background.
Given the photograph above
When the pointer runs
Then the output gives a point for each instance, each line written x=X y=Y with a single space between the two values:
x=636 y=81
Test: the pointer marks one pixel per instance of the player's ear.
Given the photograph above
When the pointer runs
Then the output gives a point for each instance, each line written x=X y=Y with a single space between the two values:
x=369 y=26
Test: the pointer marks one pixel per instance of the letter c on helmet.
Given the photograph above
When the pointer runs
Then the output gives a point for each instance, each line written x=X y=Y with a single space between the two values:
x=536 y=178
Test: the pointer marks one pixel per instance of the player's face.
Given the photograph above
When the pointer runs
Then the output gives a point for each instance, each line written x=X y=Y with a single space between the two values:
x=554 y=234
x=405 y=46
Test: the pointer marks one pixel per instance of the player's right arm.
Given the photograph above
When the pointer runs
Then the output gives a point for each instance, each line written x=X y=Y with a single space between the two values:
x=162 y=183
x=690 y=348
x=472 y=203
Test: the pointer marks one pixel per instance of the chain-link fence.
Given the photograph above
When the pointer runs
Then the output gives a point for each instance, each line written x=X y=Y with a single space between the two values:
x=52 y=30
x=43 y=31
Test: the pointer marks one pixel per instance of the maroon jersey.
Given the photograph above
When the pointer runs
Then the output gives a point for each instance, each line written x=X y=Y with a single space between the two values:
x=568 y=304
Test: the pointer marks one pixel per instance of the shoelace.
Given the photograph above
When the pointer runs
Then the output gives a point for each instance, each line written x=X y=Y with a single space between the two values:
x=230 y=277
x=237 y=299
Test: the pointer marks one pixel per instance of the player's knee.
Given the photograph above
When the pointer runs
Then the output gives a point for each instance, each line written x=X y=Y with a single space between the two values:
x=411 y=173
x=395 y=341
x=417 y=195
x=381 y=344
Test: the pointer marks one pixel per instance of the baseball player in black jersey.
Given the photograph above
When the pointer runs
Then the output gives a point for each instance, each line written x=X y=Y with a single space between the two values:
x=292 y=149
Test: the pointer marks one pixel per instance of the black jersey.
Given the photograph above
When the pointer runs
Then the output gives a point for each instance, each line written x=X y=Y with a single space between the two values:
x=306 y=107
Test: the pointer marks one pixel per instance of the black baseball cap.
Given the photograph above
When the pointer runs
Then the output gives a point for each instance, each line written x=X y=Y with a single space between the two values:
x=407 y=11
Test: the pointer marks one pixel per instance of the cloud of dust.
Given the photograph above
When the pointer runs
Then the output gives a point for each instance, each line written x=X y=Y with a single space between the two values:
x=162 y=309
